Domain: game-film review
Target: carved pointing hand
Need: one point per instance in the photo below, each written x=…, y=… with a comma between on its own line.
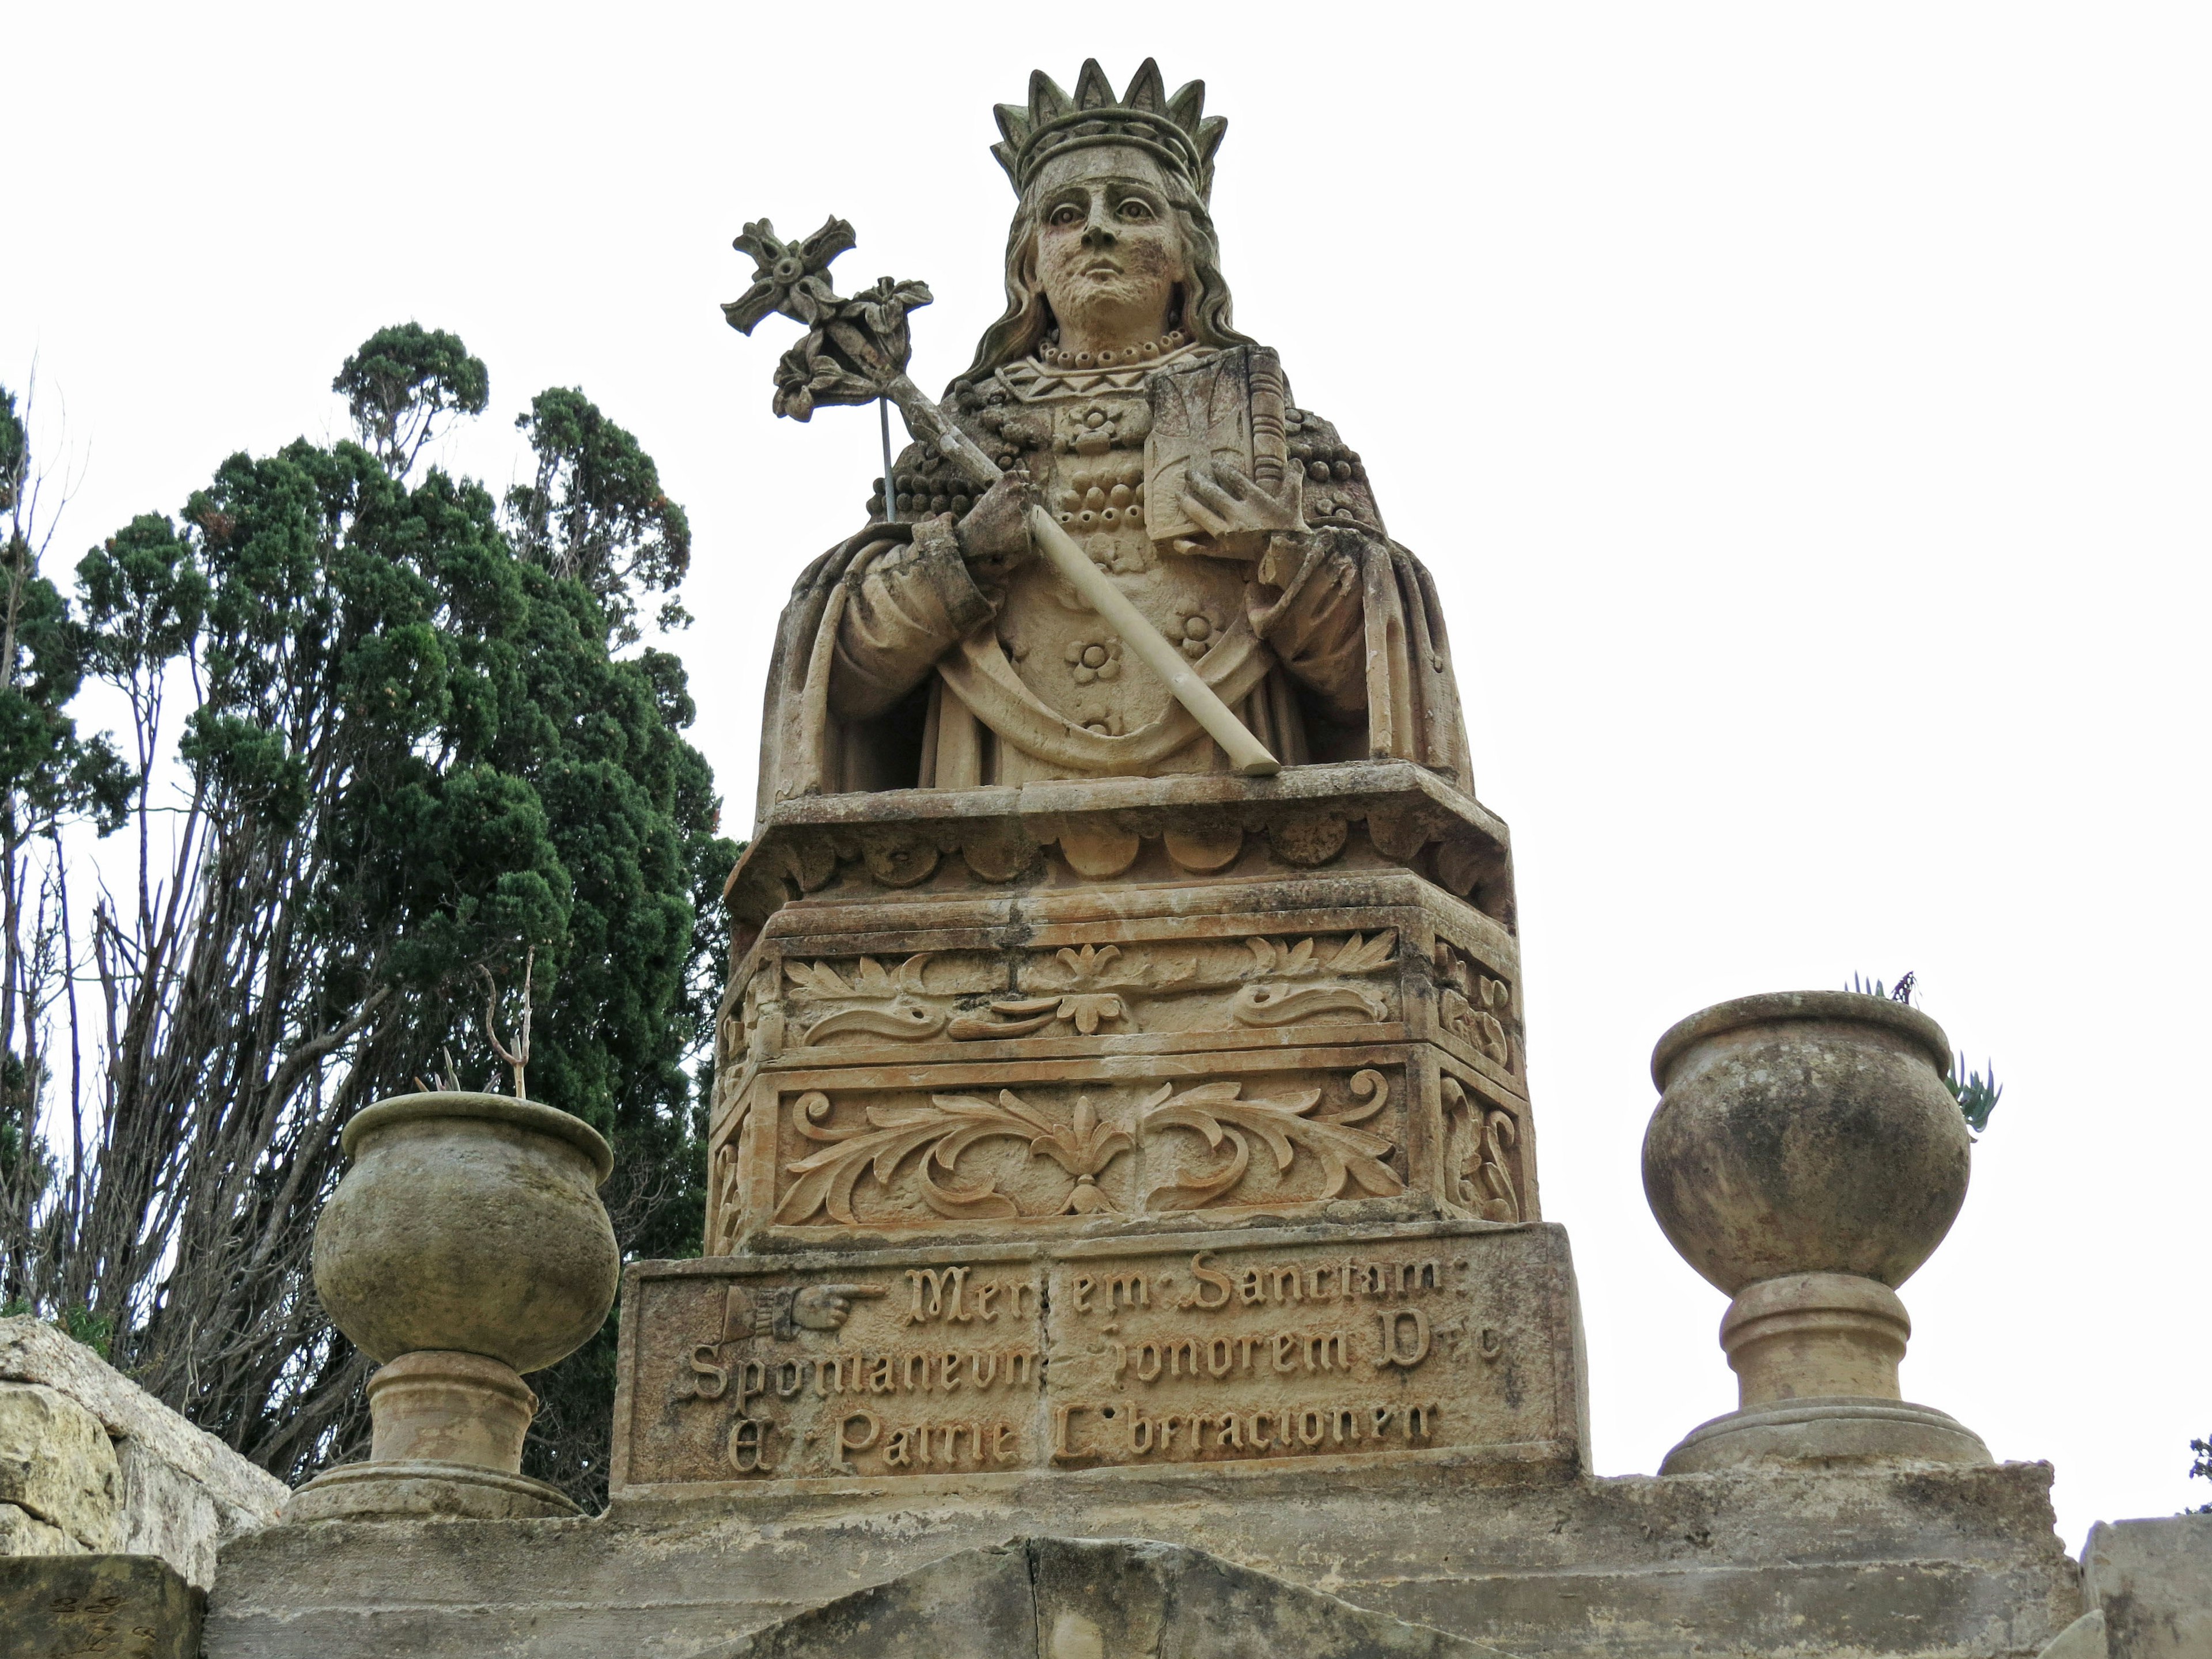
x=1240, y=516
x=826, y=1307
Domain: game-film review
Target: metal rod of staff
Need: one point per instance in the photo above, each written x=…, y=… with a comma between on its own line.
x=890, y=485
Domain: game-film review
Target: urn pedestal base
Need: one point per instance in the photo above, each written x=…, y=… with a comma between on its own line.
x=447, y=1441
x=1834, y=1429
x=1816, y=1356
x=423, y=1490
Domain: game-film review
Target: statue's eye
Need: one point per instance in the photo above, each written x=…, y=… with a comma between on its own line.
x=1067, y=214
x=1134, y=209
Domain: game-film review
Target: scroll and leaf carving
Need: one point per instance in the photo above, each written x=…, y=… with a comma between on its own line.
x=1483, y=1138
x=1267, y=1001
x=1095, y=996
x=1213, y=1111
x=1477, y=1009
x=885, y=1003
x=930, y=1141
x=728, y=1196
x=1094, y=989
x=941, y=1131
x=901, y=1022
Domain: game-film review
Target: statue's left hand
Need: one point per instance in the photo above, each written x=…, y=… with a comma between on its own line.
x=1240, y=516
x=995, y=531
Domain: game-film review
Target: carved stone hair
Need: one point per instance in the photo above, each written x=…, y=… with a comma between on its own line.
x=1179, y=136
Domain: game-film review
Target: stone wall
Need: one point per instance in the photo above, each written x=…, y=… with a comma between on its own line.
x=92, y=1464
x=2148, y=1586
x=1908, y=1563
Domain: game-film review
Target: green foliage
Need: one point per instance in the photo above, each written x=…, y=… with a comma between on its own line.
x=595, y=511
x=81, y=1325
x=1873, y=988
x=448, y=724
x=25, y=1168
x=45, y=770
x=411, y=755
x=401, y=385
x=2201, y=1469
x=1977, y=1092
x=15, y=451
x=76, y=1323
x=142, y=597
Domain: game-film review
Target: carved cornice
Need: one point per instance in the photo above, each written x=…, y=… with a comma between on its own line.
x=943, y=841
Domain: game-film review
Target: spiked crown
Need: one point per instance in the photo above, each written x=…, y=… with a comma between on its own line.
x=1177, y=130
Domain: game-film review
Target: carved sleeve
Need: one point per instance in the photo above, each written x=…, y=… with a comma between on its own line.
x=1318, y=627
x=905, y=611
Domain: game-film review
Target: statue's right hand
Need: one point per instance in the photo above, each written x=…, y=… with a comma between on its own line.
x=825, y=1307
x=995, y=531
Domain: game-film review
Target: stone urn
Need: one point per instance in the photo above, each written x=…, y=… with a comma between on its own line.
x=465, y=1246
x=1805, y=1158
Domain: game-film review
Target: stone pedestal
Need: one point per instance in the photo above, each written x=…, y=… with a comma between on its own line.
x=1891, y=1562
x=1176, y=1125
x=957, y=1016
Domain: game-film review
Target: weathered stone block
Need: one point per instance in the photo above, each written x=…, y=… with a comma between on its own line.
x=22, y=1533
x=1061, y=1598
x=246, y=1497
x=1930, y=1563
x=167, y=1513
x=2153, y=1581
x=133, y=1607
x=56, y=1463
x=1184, y=1354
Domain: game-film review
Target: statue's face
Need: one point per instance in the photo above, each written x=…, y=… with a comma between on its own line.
x=1109, y=251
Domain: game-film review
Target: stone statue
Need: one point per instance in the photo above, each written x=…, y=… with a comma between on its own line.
x=1117, y=888
x=935, y=648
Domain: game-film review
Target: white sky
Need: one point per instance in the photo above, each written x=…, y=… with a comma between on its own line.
x=1803, y=410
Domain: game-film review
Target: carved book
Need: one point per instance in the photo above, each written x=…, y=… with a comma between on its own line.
x=1224, y=408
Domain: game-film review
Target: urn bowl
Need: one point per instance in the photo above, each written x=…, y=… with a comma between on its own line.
x=469, y=1223
x=1805, y=1131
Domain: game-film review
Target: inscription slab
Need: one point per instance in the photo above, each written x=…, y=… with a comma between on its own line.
x=1187, y=1352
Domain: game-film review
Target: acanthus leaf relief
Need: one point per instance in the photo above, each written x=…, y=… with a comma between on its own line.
x=889, y=1004
x=1097, y=989
x=1477, y=1009
x=1097, y=995
x=1213, y=1111
x=930, y=1142
x=1264, y=1002
x=1482, y=1137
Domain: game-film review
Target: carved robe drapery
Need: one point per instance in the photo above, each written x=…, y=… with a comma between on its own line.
x=898, y=666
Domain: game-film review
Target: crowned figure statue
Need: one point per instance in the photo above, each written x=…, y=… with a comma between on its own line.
x=935, y=649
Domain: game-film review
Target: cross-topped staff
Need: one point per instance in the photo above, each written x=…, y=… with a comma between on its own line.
x=856, y=351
